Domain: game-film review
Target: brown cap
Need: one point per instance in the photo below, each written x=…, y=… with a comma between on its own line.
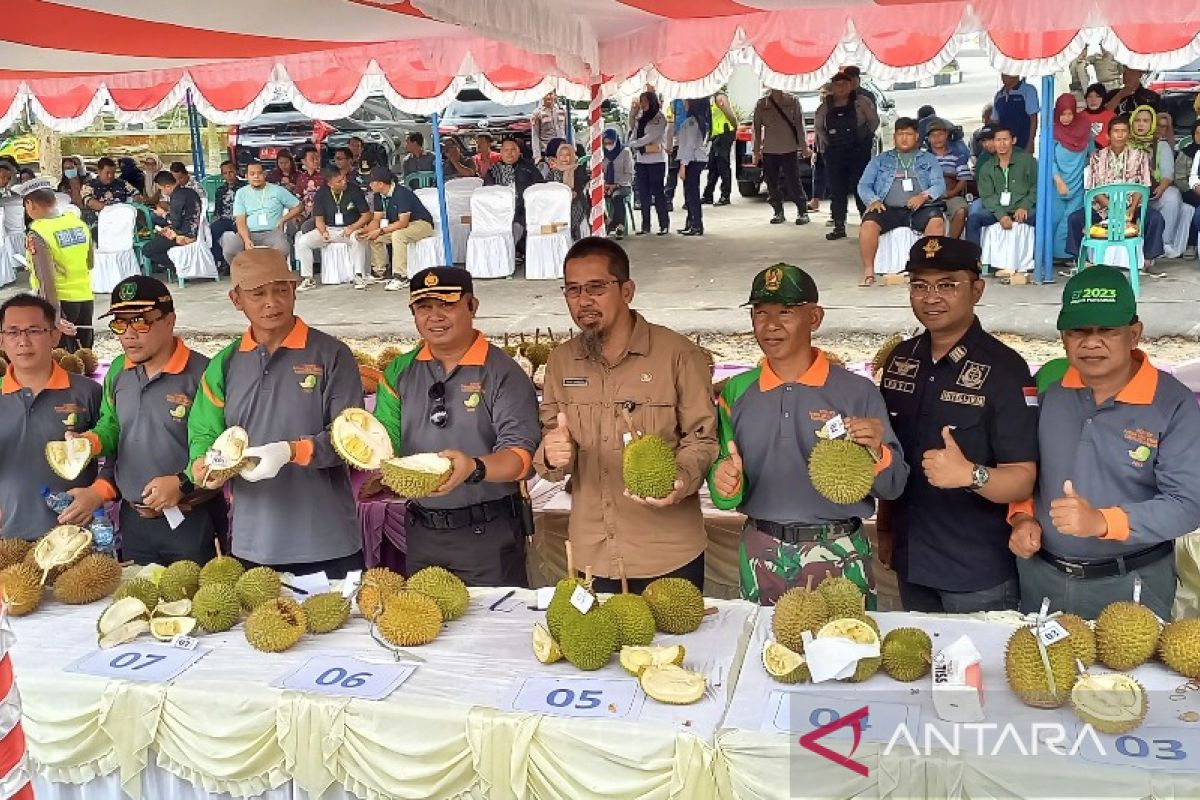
x=258, y=267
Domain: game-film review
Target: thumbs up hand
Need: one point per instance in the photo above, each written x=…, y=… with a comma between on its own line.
x=728, y=478
x=557, y=445
x=947, y=468
x=1075, y=516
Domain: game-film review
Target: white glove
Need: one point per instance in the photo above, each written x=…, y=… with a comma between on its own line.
x=271, y=458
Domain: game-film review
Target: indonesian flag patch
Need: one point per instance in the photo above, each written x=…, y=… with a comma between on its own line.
x=1031, y=395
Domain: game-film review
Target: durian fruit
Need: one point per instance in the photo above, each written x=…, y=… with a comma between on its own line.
x=907, y=654
x=364, y=359
x=588, y=640
x=509, y=348
x=326, y=612
x=387, y=356
x=175, y=608
x=142, y=589
x=1082, y=639
x=377, y=584
x=648, y=467
x=880, y=359
x=538, y=352
x=179, y=581
x=672, y=684
x=560, y=607
x=226, y=458
x=863, y=630
x=62, y=547
x=841, y=471
x=784, y=664
x=21, y=588
x=1111, y=703
x=123, y=621
x=68, y=458
x=676, y=603
x=1126, y=635
x=71, y=364
x=1179, y=647
x=216, y=607
x=360, y=439
x=57, y=354
x=276, y=625
x=415, y=476
x=444, y=587
x=90, y=362
x=842, y=597
x=257, y=586
x=13, y=551
x=167, y=628
x=635, y=659
x=1027, y=675
x=635, y=621
x=96, y=576
x=222, y=569
x=545, y=649
x=796, y=611
x=409, y=619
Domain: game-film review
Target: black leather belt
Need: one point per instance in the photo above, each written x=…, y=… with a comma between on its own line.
x=795, y=532
x=1108, y=567
x=449, y=519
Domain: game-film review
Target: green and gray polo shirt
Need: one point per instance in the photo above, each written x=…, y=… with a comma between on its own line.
x=775, y=424
x=491, y=406
x=27, y=422
x=306, y=513
x=143, y=427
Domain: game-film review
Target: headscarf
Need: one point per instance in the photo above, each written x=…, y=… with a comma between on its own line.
x=131, y=174
x=610, y=155
x=1148, y=141
x=1076, y=136
x=679, y=112
x=552, y=147
x=654, y=109
x=700, y=109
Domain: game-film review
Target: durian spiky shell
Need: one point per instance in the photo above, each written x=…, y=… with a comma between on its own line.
x=21, y=586
x=378, y=583
x=796, y=611
x=326, y=612
x=649, y=468
x=409, y=619
x=13, y=551
x=96, y=576
x=276, y=625
x=1179, y=646
x=444, y=587
x=180, y=581
x=841, y=471
x=1027, y=676
x=1126, y=635
x=216, y=607
x=677, y=605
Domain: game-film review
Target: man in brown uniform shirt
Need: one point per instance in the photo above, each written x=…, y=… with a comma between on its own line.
x=621, y=363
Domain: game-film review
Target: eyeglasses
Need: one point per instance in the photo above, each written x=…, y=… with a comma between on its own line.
x=939, y=289
x=438, y=416
x=140, y=324
x=593, y=288
x=16, y=334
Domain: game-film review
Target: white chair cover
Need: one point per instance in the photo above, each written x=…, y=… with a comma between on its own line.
x=427, y=252
x=546, y=204
x=892, y=254
x=1175, y=239
x=1010, y=249
x=458, y=205
x=491, y=250
x=62, y=200
x=8, y=267
x=14, y=226
x=196, y=260
x=115, y=259
x=337, y=262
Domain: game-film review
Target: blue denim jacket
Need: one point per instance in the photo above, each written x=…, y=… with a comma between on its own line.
x=878, y=176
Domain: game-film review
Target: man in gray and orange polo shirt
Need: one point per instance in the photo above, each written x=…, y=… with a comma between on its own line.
x=461, y=397
x=768, y=420
x=39, y=403
x=284, y=383
x=142, y=434
x=1119, y=477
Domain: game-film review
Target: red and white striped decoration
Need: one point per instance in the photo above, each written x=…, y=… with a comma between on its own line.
x=597, y=162
x=16, y=775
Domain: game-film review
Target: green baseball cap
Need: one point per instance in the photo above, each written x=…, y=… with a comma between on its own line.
x=784, y=284
x=1097, y=297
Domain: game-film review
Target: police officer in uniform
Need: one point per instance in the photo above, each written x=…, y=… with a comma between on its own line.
x=60, y=263
x=467, y=400
x=964, y=407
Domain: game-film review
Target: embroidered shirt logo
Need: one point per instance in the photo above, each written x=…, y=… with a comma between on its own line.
x=973, y=375
x=904, y=367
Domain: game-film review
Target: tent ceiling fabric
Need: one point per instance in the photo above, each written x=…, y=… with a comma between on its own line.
x=73, y=58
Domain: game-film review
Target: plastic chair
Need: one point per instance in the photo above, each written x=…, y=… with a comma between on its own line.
x=458, y=206
x=211, y=183
x=142, y=234
x=420, y=180
x=1118, y=203
x=195, y=260
x=115, y=259
x=548, y=230
x=491, y=249
x=427, y=252
x=1010, y=249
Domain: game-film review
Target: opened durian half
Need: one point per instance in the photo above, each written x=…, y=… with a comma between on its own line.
x=61, y=547
x=68, y=458
x=417, y=475
x=225, y=458
x=360, y=439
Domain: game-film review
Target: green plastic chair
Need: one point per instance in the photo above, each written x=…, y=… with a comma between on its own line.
x=211, y=183
x=143, y=232
x=420, y=180
x=1118, y=202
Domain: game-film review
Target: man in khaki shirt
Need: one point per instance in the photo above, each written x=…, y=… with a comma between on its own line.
x=618, y=363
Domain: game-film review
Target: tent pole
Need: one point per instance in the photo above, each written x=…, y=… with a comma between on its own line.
x=440, y=171
x=1044, y=229
x=570, y=127
x=193, y=117
x=598, y=226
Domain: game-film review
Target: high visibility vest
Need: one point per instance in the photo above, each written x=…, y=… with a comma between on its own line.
x=720, y=122
x=70, y=243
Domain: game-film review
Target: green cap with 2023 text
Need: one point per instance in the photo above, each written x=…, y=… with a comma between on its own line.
x=1097, y=297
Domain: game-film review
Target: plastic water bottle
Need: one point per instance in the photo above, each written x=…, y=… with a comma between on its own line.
x=104, y=537
x=57, y=501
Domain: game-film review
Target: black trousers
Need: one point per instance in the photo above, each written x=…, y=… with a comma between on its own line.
x=672, y=177
x=77, y=312
x=651, y=189
x=691, y=196
x=845, y=166
x=491, y=554
x=152, y=541
x=692, y=571
x=720, y=152
x=216, y=230
x=782, y=174
x=156, y=250
x=333, y=567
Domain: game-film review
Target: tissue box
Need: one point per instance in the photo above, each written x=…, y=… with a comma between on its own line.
x=465, y=219
x=553, y=228
x=958, y=682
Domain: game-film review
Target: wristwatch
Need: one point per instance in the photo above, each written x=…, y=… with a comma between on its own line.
x=980, y=475
x=185, y=483
x=479, y=474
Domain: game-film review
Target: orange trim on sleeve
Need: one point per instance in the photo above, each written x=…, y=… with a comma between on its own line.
x=1118, y=524
x=95, y=442
x=104, y=489
x=302, y=450
x=885, y=460
x=212, y=398
x=526, y=459
x=1020, y=507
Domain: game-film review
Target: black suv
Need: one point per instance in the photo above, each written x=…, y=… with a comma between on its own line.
x=472, y=113
x=281, y=126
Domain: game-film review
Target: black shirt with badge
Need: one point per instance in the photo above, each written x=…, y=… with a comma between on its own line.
x=954, y=539
x=351, y=203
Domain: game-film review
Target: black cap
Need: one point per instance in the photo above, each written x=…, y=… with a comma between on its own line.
x=448, y=284
x=382, y=174
x=943, y=252
x=140, y=293
x=986, y=133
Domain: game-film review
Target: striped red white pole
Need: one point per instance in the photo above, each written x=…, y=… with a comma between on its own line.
x=16, y=774
x=597, y=161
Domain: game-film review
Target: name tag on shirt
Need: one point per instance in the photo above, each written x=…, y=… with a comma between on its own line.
x=907, y=184
x=1005, y=198
x=260, y=219
x=338, y=219
x=575, y=381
